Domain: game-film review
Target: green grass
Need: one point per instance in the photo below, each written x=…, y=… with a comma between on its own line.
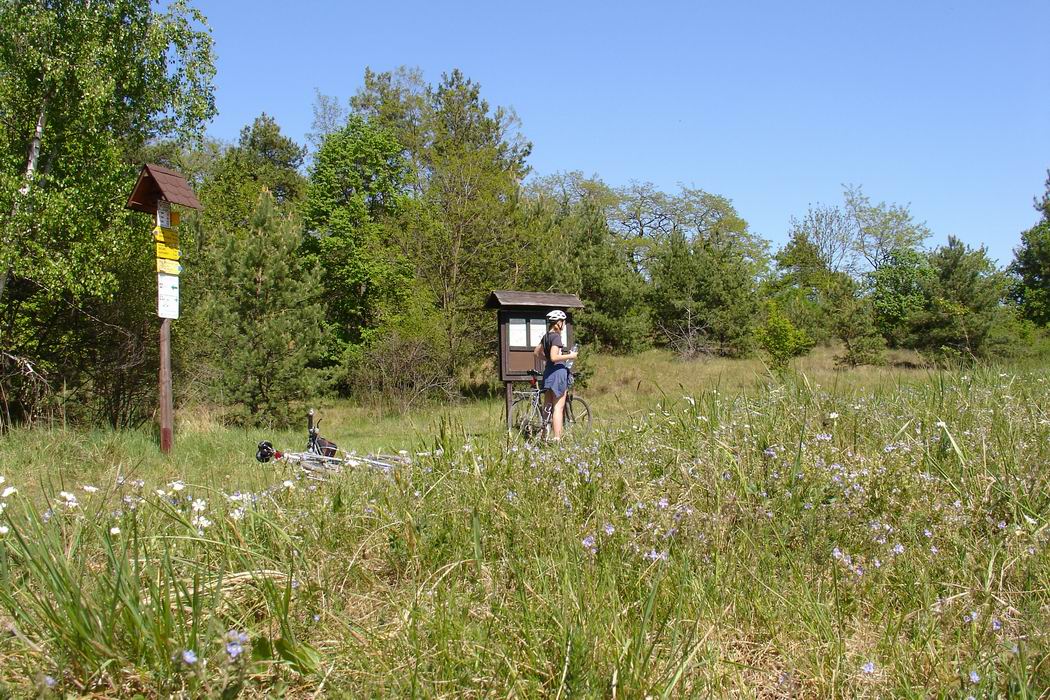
x=871, y=534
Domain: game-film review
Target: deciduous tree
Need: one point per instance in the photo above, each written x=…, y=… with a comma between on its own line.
x=1031, y=265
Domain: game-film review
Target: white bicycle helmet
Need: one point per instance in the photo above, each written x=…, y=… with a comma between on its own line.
x=556, y=315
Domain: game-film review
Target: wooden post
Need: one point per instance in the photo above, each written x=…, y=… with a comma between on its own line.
x=167, y=409
x=156, y=189
x=166, y=219
x=509, y=389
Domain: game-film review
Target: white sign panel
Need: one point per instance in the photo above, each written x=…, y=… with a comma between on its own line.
x=517, y=336
x=537, y=329
x=164, y=214
x=167, y=295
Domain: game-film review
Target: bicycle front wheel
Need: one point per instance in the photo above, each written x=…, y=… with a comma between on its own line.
x=577, y=415
x=524, y=418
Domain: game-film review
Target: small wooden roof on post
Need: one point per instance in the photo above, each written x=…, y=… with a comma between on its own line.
x=507, y=299
x=157, y=182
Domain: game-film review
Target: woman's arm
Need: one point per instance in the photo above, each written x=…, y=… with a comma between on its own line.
x=557, y=355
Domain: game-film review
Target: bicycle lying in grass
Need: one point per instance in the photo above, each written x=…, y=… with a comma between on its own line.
x=323, y=457
x=530, y=415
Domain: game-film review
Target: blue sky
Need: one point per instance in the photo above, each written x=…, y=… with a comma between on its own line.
x=943, y=105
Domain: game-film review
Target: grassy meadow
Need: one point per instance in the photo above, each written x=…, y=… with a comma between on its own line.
x=721, y=532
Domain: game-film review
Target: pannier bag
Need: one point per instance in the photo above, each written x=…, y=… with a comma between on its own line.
x=326, y=448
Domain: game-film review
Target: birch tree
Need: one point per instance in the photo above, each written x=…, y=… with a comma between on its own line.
x=82, y=84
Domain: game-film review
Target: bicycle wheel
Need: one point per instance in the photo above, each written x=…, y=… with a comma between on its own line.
x=524, y=418
x=577, y=415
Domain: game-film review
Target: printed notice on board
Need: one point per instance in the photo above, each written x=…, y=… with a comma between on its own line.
x=537, y=329
x=167, y=295
x=516, y=333
x=164, y=214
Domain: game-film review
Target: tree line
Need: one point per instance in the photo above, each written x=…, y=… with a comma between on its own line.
x=358, y=263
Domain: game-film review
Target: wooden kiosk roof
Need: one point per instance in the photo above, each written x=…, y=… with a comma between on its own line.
x=157, y=182
x=511, y=299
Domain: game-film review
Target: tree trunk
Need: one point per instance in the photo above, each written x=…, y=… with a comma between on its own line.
x=32, y=158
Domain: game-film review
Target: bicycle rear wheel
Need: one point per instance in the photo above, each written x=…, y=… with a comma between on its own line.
x=577, y=415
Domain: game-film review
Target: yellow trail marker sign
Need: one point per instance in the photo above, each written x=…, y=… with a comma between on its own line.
x=169, y=267
x=167, y=252
x=167, y=236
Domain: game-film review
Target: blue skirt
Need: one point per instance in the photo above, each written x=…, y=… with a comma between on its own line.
x=556, y=379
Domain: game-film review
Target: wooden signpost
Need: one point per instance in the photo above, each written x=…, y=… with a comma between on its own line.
x=155, y=191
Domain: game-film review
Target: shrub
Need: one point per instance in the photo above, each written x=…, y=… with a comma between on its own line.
x=780, y=340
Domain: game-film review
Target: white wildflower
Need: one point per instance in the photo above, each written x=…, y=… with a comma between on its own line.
x=9, y=491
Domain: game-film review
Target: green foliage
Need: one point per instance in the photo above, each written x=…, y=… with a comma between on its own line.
x=576, y=252
x=81, y=86
x=853, y=324
x=1031, y=265
x=780, y=339
x=701, y=262
x=964, y=295
x=265, y=320
x=703, y=295
x=881, y=229
x=802, y=288
x=457, y=232
x=263, y=160
x=898, y=292
x=356, y=184
x=830, y=246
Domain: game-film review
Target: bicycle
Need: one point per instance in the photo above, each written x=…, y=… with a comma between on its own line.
x=323, y=457
x=531, y=417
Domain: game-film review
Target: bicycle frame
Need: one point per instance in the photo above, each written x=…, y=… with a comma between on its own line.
x=539, y=415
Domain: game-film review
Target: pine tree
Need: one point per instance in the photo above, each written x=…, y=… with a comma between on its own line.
x=266, y=320
x=964, y=296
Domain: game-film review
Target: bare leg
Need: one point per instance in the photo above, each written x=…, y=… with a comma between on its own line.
x=548, y=408
x=559, y=415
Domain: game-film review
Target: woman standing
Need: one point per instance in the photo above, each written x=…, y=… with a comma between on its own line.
x=555, y=374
